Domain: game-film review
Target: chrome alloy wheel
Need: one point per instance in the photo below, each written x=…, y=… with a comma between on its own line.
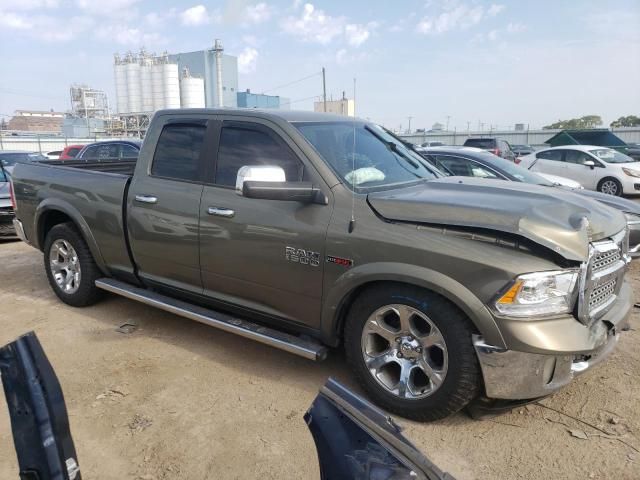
x=65, y=266
x=609, y=187
x=404, y=351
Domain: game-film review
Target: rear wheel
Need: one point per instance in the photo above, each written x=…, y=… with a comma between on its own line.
x=610, y=186
x=411, y=350
x=70, y=267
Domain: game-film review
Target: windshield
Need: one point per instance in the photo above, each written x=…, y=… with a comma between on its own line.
x=516, y=171
x=364, y=155
x=609, y=155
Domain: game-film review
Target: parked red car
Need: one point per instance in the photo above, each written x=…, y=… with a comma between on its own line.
x=70, y=152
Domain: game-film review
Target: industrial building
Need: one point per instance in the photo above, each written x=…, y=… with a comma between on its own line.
x=260, y=100
x=219, y=72
x=36, y=121
x=344, y=106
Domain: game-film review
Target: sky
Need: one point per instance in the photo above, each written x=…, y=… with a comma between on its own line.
x=464, y=63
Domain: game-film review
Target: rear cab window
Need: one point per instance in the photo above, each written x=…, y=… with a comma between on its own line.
x=484, y=143
x=177, y=154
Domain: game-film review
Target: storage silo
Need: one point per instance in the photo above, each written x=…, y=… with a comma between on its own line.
x=120, y=73
x=171, y=79
x=157, y=85
x=146, y=88
x=191, y=91
x=134, y=98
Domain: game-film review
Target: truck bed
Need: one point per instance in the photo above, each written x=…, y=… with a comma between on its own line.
x=90, y=193
x=124, y=166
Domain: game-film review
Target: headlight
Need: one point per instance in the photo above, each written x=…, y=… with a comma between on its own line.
x=540, y=293
x=631, y=172
x=632, y=218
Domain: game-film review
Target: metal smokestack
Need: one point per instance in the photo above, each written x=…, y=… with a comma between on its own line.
x=217, y=48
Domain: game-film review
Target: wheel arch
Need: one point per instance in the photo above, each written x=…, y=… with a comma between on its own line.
x=351, y=284
x=52, y=212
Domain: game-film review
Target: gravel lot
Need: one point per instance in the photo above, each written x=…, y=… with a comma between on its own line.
x=178, y=400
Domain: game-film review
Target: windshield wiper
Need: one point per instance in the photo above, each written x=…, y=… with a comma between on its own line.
x=393, y=147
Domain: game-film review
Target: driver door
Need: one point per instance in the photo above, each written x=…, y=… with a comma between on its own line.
x=576, y=169
x=266, y=256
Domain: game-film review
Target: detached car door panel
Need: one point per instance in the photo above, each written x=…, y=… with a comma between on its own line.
x=264, y=255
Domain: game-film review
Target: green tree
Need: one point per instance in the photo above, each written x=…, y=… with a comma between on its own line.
x=628, y=121
x=587, y=121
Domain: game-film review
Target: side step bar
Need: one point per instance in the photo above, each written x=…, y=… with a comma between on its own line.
x=284, y=341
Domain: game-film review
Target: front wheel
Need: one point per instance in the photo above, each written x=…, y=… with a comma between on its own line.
x=610, y=186
x=70, y=267
x=412, y=351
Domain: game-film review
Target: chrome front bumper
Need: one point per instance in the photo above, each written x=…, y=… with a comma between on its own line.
x=520, y=375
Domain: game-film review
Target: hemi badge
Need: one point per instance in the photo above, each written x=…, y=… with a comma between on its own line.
x=344, y=262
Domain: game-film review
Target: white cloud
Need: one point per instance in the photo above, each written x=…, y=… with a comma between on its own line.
x=492, y=35
x=356, y=34
x=247, y=60
x=108, y=8
x=128, y=36
x=28, y=4
x=313, y=25
x=258, y=13
x=495, y=9
x=456, y=17
x=344, y=57
x=516, y=27
x=15, y=21
x=197, y=15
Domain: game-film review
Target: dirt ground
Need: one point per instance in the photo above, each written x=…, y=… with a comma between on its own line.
x=178, y=400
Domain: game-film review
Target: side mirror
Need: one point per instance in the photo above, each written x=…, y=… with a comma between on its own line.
x=269, y=183
x=258, y=173
x=589, y=163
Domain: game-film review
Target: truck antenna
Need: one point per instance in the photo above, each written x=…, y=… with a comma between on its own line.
x=352, y=222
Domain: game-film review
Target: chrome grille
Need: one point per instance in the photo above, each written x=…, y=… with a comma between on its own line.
x=603, y=260
x=602, y=277
x=601, y=294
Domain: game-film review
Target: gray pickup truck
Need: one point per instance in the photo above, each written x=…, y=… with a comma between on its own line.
x=306, y=231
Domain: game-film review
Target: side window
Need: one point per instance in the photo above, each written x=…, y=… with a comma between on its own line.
x=3, y=176
x=128, y=151
x=464, y=167
x=577, y=157
x=555, y=155
x=253, y=145
x=177, y=152
x=90, y=153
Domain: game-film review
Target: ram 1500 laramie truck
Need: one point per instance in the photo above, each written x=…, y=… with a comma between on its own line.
x=306, y=231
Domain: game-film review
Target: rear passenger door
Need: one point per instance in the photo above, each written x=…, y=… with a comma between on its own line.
x=246, y=244
x=549, y=161
x=164, y=201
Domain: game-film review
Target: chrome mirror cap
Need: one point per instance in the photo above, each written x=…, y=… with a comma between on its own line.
x=258, y=173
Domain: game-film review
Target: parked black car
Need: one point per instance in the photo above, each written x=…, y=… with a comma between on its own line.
x=8, y=158
x=110, y=149
x=468, y=162
x=497, y=146
x=522, y=150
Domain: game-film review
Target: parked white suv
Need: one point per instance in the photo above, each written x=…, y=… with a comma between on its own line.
x=596, y=168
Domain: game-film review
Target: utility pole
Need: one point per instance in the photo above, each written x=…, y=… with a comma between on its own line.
x=448, y=118
x=354, y=97
x=409, y=129
x=468, y=126
x=324, y=91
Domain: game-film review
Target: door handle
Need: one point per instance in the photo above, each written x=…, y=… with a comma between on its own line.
x=146, y=199
x=221, y=212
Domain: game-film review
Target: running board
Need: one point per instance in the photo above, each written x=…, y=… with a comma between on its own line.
x=274, y=338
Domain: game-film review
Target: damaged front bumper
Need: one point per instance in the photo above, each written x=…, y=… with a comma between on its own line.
x=553, y=360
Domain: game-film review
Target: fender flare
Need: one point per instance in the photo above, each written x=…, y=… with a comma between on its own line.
x=55, y=204
x=458, y=294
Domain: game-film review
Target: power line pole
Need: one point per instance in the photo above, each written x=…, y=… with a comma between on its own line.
x=324, y=91
x=409, y=129
x=448, y=118
x=354, y=97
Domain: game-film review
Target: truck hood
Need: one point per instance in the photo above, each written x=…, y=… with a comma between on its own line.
x=549, y=216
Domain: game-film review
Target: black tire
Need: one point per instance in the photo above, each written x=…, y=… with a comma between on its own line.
x=607, y=182
x=462, y=382
x=87, y=293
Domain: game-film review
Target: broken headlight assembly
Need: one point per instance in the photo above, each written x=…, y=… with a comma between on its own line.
x=538, y=294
